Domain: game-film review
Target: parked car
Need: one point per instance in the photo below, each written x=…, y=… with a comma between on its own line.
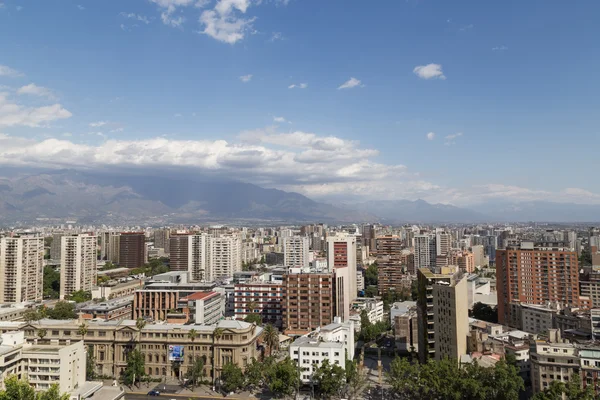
x=154, y=393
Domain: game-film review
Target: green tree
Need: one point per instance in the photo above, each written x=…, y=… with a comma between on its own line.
x=140, y=324
x=255, y=373
x=283, y=378
x=42, y=333
x=371, y=291
x=62, y=310
x=371, y=275
x=135, y=370
x=90, y=363
x=31, y=315
x=232, y=377
x=51, y=283
x=329, y=379
x=253, y=319
x=356, y=379
x=53, y=394
x=585, y=259
x=217, y=334
x=82, y=330
x=16, y=389
x=271, y=337
x=195, y=372
x=572, y=390
x=80, y=296
x=485, y=312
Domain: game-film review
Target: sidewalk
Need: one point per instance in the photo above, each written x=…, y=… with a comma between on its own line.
x=173, y=388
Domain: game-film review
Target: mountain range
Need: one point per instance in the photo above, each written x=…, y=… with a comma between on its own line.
x=158, y=198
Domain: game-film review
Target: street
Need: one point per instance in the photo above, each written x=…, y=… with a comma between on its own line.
x=133, y=396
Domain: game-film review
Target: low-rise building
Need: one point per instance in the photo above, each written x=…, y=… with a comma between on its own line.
x=552, y=360
x=403, y=318
x=114, y=310
x=117, y=289
x=372, y=306
x=204, y=308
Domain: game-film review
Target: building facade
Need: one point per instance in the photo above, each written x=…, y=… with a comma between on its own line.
x=308, y=302
x=295, y=251
x=78, y=264
x=264, y=299
x=341, y=259
x=132, y=249
x=451, y=314
x=21, y=269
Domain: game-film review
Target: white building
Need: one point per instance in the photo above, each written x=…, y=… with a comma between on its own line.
x=333, y=342
x=198, y=261
x=421, y=245
x=373, y=307
x=296, y=251
x=77, y=264
x=225, y=256
x=21, y=269
x=205, y=308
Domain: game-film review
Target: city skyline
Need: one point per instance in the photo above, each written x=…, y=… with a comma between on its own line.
x=456, y=104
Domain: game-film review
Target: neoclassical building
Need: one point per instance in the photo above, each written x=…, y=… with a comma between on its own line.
x=160, y=344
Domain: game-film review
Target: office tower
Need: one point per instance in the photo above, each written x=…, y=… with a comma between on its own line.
x=132, y=249
x=341, y=259
x=225, y=254
x=536, y=273
x=77, y=264
x=451, y=315
x=421, y=244
x=478, y=255
x=442, y=243
x=295, y=251
x=21, y=269
x=162, y=239
x=389, y=264
x=179, y=252
x=198, y=261
x=110, y=246
x=369, y=235
x=308, y=302
x=432, y=251
x=55, y=246
x=425, y=311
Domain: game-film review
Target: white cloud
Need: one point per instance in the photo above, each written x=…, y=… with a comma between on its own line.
x=246, y=78
x=137, y=17
x=223, y=22
x=430, y=136
x=298, y=86
x=169, y=8
x=80, y=7
x=280, y=120
x=500, y=48
x=351, y=83
x=178, y=115
x=98, y=124
x=466, y=27
x=12, y=114
x=9, y=72
x=34, y=90
x=450, y=139
x=116, y=130
x=429, y=71
x=276, y=36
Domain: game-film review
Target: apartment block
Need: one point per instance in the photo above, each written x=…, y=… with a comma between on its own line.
x=267, y=300
x=404, y=321
x=341, y=260
x=162, y=239
x=55, y=246
x=198, y=263
x=179, y=252
x=451, y=314
x=536, y=273
x=78, y=264
x=552, y=359
x=110, y=246
x=295, y=251
x=225, y=256
x=308, y=302
x=132, y=249
x=204, y=308
x=421, y=245
x=390, y=264
x=21, y=269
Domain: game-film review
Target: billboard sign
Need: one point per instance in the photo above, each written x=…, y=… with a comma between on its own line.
x=175, y=353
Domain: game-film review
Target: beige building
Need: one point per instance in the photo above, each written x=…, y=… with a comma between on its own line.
x=552, y=360
x=295, y=251
x=77, y=264
x=112, y=341
x=451, y=314
x=225, y=254
x=21, y=269
x=341, y=260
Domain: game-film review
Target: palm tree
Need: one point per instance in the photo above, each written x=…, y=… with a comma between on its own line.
x=251, y=305
x=217, y=334
x=140, y=323
x=82, y=330
x=192, y=335
x=271, y=337
x=41, y=333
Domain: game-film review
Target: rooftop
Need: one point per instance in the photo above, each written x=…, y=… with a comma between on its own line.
x=199, y=296
x=316, y=343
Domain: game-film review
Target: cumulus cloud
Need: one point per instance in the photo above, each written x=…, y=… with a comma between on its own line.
x=351, y=83
x=430, y=136
x=246, y=78
x=34, y=90
x=429, y=71
x=298, y=86
x=13, y=114
x=169, y=9
x=224, y=22
x=279, y=119
x=9, y=72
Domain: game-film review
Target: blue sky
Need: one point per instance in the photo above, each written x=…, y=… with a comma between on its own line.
x=513, y=83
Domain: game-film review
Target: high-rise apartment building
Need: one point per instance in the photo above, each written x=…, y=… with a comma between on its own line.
x=295, y=251
x=369, y=235
x=341, y=259
x=443, y=242
x=389, y=263
x=421, y=245
x=21, y=269
x=132, y=249
x=225, y=254
x=55, y=246
x=308, y=302
x=451, y=314
x=110, y=243
x=425, y=311
x=179, y=252
x=536, y=273
x=198, y=261
x=162, y=239
x=77, y=264
x=478, y=255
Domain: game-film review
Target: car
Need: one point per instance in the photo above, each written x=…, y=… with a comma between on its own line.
x=154, y=393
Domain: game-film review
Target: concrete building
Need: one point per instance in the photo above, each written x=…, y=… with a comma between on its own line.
x=132, y=249
x=78, y=264
x=451, y=314
x=55, y=246
x=110, y=246
x=341, y=259
x=160, y=344
x=205, y=308
x=179, y=252
x=537, y=318
x=372, y=306
x=266, y=297
x=114, y=310
x=117, y=289
x=443, y=242
x=403, y=318
x=478, y=255
x=308, y=302
x=295, y=251
x=390, y=264
x=162, y=239
x=21, y=269
x=225, y=256
x=536, y=274
x=421, y=245
x=552, y=360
